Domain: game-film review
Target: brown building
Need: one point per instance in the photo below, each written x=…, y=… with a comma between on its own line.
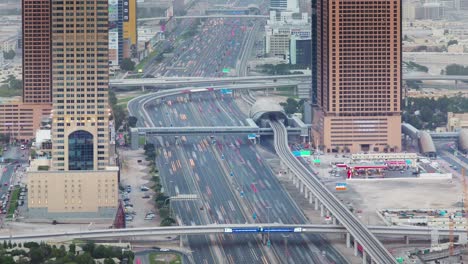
x=36, y=51
x=358, y=74
x=21, y=120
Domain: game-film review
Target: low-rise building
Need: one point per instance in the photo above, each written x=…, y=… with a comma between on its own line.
x=67, y=195
x=457, y=121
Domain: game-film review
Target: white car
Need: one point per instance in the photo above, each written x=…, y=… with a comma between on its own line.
x=164, y=249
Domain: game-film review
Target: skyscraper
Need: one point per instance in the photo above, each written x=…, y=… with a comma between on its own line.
x=36, y=51
x=20, y=120
x=81, y=181
x=357, y=61
x=80, y=71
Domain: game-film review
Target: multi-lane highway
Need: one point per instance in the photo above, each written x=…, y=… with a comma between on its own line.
x=199, y=161
x=371, y=244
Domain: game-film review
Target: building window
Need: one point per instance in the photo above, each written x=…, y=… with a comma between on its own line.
x=80, y=151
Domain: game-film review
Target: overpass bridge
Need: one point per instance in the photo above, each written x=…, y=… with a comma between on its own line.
x=198, y=80
x=203, y=16
x=211, y=81
x=235, y=229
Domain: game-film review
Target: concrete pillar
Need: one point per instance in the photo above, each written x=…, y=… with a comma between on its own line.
x=310, y=198
x=316, y=203
x=134, y=138
x=328, y=213
x=142, y=88
x=322, y=213
x=348, y=240
x=298, y=181
x=456, y=84
x=301, y=187
x=364, y=257
x=462, y=238
x=407, y=240
x=334, y=220
x=294, y=179
x=355, y=248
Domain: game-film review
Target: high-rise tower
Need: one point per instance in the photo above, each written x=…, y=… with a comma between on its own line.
x=36, y=51
x=80, y=135
x=357, y=67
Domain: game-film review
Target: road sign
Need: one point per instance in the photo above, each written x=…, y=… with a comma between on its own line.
x=296, y=153
x=226, y=70
x=227, y=230
x=251, y=136
x=400, y=259
x=226, y=91
x=305, y=153
x=316, y=160
x=341, y=186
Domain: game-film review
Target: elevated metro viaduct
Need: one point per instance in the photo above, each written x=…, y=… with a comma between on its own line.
x=426, y=139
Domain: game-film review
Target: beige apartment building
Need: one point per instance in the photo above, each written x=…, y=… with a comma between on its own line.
x=72, y=194
x=358, y=65
x=80, y=83
x=457, y=121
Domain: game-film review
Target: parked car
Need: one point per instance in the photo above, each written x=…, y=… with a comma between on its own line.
x=146, y=196
x=144, y=188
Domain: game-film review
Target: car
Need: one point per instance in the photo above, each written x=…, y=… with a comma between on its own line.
x=149, y=217
x=146, y=196
x=5, y=184
x=164, y=250
x=23, y=147
x=144, y=188
x=128, y=218
x=126, y=199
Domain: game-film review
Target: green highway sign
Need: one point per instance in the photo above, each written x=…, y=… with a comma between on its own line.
x=226, y=70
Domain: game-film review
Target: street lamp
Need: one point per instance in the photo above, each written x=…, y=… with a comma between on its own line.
x=268, y=219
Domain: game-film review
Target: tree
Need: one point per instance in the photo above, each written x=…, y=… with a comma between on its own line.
x=9, y=55
x=132, y=121
x=109, y=261
x=112, y=98
x=72, y=249
x=456, y=69
x=84, y=259
x=167, y=221
x=127, y=65
x=291, y=106
x=452, y=42
x=36, y=256
x=119, y=115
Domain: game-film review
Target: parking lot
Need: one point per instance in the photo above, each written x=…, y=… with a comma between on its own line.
x=139, y=201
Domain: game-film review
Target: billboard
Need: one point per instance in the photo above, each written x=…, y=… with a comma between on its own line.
x=113, y=47
x=113, y=12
